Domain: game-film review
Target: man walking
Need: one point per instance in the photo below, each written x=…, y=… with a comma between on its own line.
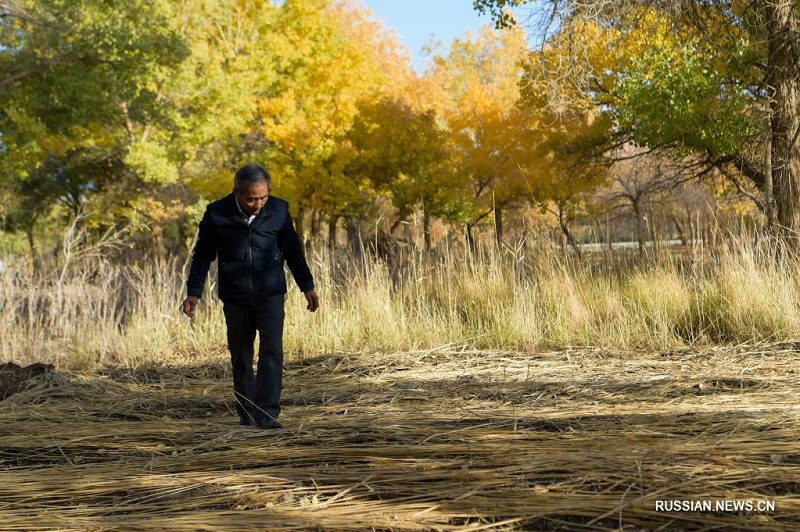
x=251, y=234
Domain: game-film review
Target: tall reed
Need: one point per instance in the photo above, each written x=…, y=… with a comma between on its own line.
x=101, y=312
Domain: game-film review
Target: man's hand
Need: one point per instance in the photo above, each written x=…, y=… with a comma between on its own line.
x=189, y=306
x=313, y=300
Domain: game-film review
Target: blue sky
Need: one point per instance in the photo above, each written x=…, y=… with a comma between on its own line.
x=416, y=21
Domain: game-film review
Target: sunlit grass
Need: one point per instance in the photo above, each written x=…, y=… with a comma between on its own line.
x=96, y=313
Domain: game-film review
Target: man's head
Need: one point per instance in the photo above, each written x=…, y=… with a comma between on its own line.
x=251, y=186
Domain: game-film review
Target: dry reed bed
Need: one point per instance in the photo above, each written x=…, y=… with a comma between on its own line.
x=577, y=439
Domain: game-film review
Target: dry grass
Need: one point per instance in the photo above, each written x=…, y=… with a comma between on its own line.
x=98, y=313
x=444, y=439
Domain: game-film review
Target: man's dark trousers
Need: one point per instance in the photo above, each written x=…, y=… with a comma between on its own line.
x=256, y=395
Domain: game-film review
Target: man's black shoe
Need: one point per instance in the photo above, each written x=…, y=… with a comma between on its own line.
x=268, y=423
x=245, y=421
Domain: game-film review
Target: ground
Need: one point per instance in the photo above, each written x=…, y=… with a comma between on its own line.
x=576, y=439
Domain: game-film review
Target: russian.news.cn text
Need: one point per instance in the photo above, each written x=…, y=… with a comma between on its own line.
x=723, y=505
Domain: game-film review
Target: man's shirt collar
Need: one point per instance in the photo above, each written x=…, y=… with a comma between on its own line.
x=249, y=218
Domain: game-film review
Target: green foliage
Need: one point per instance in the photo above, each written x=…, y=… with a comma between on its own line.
x=675, y=97
x=72, y=64
x=81, y=84
x=694, y=77
x=216, y=89
x=499, y=10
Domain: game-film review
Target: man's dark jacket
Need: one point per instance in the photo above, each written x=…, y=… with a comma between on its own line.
x=251, y=256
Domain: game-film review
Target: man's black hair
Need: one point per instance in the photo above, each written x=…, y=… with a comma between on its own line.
x=249, y=175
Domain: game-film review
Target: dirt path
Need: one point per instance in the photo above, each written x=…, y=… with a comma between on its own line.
x=436, y=440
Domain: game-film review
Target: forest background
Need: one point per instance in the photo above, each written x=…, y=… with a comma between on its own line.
x=463, y=204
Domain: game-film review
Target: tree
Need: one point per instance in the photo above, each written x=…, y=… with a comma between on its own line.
x=217, y=89
x=782, y=80
x=731, y=60
x=639, y=182
x=402, y=154
x=559, y=174
x=333, y=56
x=80, y=105
x=141, y=110
x=479, y=82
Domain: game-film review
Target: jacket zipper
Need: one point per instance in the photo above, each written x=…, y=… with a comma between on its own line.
x=250, y=262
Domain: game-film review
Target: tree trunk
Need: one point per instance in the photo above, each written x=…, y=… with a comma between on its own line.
x=426, y=227
x=354, y=236
x=498, y=225
x=300, y=225
x=333, y=221
x=655, y=234
x=641, y=228
x=562, y=221
x=316, y=224
x=681, y=228
x=782, y=78
x=470, y=237
x=769, y=194
x=36, y=259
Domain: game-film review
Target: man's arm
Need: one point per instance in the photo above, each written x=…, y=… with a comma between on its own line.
x=313, y=300
x=205, y=251
x=292, y=251
x=190, y=305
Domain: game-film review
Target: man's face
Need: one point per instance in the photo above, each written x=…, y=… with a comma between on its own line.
x=253, y=198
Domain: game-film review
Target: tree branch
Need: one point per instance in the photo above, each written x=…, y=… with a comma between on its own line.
x=733, y=179
x=41, y=67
